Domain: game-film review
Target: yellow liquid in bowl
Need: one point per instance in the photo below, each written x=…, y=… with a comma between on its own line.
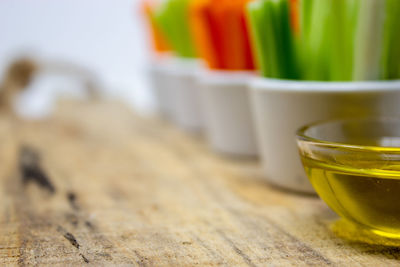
x=368, y=197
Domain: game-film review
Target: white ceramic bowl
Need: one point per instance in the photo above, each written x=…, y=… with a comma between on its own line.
x=226, y=108
x=184, y=93
x=281, y=107
x=160, y=85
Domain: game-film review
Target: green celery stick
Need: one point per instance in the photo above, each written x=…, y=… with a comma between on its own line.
x=285, y=47
x=368, y=40
x=172, y=18
x=269, y=24
x=255, y=16
x=305, y=17
x=305, y=12
x=350, y=30
x=272, y=37
x=391, y=50
x=343, y=24
x=339, y=60
x=315, y=66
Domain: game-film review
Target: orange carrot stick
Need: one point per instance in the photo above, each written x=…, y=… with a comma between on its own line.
x=159, y=42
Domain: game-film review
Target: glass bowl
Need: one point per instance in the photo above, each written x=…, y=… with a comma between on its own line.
x=354, y=165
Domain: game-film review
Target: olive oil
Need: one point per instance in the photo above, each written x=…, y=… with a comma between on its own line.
x=367, y=196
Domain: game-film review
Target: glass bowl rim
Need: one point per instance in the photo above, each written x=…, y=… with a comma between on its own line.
x=302, y=136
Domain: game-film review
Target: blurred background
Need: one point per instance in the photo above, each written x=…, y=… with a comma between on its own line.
x=99, y=40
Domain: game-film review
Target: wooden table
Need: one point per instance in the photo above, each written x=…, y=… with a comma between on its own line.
x=99, y=185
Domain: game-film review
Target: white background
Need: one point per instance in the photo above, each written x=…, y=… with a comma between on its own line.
x=107, y=36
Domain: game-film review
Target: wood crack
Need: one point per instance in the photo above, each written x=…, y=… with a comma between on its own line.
x=31, y=170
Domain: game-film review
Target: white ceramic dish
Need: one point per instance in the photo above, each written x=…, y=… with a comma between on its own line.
x=161, y=86
x=281, y=107
x=226, y=108
x=184, y=93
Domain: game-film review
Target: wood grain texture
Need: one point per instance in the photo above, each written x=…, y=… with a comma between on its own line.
x=137, y=191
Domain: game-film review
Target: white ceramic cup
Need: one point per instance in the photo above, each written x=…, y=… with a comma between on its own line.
x=226, y=108
x=161, y=86
x=281, y=107
x=183, y=88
